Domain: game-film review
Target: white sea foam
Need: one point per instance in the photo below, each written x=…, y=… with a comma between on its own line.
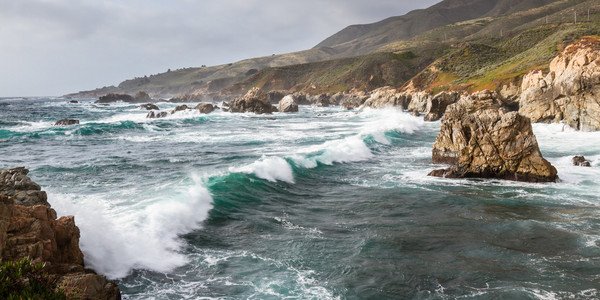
x=268, y=168
x=115, y=243
x=389, y=119
x=350, y=149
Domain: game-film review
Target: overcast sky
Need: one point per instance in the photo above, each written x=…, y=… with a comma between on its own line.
x=54, y=47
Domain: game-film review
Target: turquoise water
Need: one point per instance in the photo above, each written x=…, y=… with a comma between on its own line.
x=322, y=204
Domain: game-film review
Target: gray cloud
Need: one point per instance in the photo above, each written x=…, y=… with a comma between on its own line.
x=52, y=47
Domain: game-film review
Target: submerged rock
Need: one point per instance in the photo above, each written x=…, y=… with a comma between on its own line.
x=480, y=138
x=580, y=161
x=74, y=101
x=66, y=122
x=34, y=232
x=255, y=101
x=157, y=115
x=149, y=106
x=287, y=104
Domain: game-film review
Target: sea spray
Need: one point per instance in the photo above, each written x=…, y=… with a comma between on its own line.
x=114, y=243
x=268, y=168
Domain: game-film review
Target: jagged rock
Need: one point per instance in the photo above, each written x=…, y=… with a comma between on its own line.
x=35, y=232
x=187, y=98
x=205, y=108
x=179, y=108
x=157, y=115
x=383, y=97
x=276, y=96
x=483, y=139
x=568, y=93
x=580, y=161
x=321, y=100
x=112, y=97
x=287, y=104
x=66, y=122
x=16, y=183
x=418, y=101
x=301, y=98
x=436, y=106
x=149, y=106
x=142, y=97
x=255, y=101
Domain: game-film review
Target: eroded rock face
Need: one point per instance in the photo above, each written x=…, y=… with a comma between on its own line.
x=66, y=122
x=287, y=104
x=142, y=97
x=418, y=101
x=480, y=138
x=321, y=100
x=36, y=233
x=16, y=184
x=383, y=97
x=352, y=101
x=255, y=101
x=436, y=105
x=570, y=92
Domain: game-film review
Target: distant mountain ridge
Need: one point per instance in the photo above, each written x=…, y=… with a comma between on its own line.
x=362, y=39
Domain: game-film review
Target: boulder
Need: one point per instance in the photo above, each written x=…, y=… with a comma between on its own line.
x=276, y=96
x=418, y=101
x=255, y=101
x=66, y=122
x=568, y=93
x=205, y=108
x=112, y=97
x=157, y=115
x=34, y=232
x=580, y=161
x=16, y=184
x=436, y=105
x=287, y=104
x=74, y=101
x=321, y=100
x=142, y=97
x=179, y=108
x=149, y=106
x=480, y=138
x=383, y=97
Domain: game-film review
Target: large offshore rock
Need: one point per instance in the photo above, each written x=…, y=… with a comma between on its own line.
x=205, y=108
x=255, y=101
x=287, y=104
x=480, y=138
x=570, y=92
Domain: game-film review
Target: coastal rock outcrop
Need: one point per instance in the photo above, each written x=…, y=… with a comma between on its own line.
x=255, y=101
x=287, y=104
x=149, y=106
x=157, y=115
x=384, y=97
x=321, y=100
x=205, y=108
x=112, y=97
x=436, y=105
x=66, y=122
x=580, y=161
x=179, y=108
x=35, y=232
x=352, y=101
x=480, y=138
x=16, y=184
x=569, y=92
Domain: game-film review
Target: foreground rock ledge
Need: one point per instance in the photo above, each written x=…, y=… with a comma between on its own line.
x=35, y=232
x=480, y=138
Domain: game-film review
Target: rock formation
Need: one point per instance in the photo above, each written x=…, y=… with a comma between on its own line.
x=179, y=108
x=352, y=101
x=66, y=122
x=276, y=96
x=16, y=184
x=157, y=115
x=108, y=98
x=287, y=104
x=436, y=105
x=255, y=101
x=321, y=100
x=383, y=97
x=580, y=161
x=34, y=232
x=480, y=138
x=570, y=92
x=149, y=106
x=205, y=108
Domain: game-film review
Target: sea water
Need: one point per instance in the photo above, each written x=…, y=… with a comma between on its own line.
x=320, y=204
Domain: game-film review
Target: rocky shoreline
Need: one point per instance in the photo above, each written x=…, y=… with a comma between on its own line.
x=29, y=228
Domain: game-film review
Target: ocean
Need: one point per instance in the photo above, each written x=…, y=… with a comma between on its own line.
x=320, y=204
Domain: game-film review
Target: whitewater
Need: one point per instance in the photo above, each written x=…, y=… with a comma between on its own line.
x=321, y=204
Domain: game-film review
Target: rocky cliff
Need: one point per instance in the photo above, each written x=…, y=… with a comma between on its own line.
x=481, y=138
x=570, y=91
x=30, y=228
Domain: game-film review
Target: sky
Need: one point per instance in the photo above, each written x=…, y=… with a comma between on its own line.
x=55, y=47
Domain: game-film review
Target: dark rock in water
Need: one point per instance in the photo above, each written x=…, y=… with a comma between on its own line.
x=255, y=101
x=142, y=97
x=186, y=98
x=321, y=100
x=149, y=106
x=301, y=98
x=416, y=113
x=115, y=97
x=66, y=122
x=15, y=183
x=179, y=108
x=580, y=161
x=483, y=139
x=287, y=104
x=157, y=115
x=73, y=101
x=205, y=108
x=351, y=101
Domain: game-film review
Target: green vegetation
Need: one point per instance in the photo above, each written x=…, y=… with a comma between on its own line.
x=24, y=280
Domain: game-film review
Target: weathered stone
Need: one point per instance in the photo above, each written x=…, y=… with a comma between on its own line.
x=287, y=104
x=16, y=183
x=115, y=97
x=568, y=93
x=142, y=97
x=580, y=161
x=352, y=101
x=74, y=101
x=276, y=96
x=149, y=106
x=205, y=108
x=157, y=115
x=383, y=97
x=255, y=101
x=321, y=100
x=418, y=101
x=179, y=108
x=436, y=106
x=66, y=122
x=483, y=139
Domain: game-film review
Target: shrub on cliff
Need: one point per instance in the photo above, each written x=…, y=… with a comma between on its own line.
x=25, y=280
